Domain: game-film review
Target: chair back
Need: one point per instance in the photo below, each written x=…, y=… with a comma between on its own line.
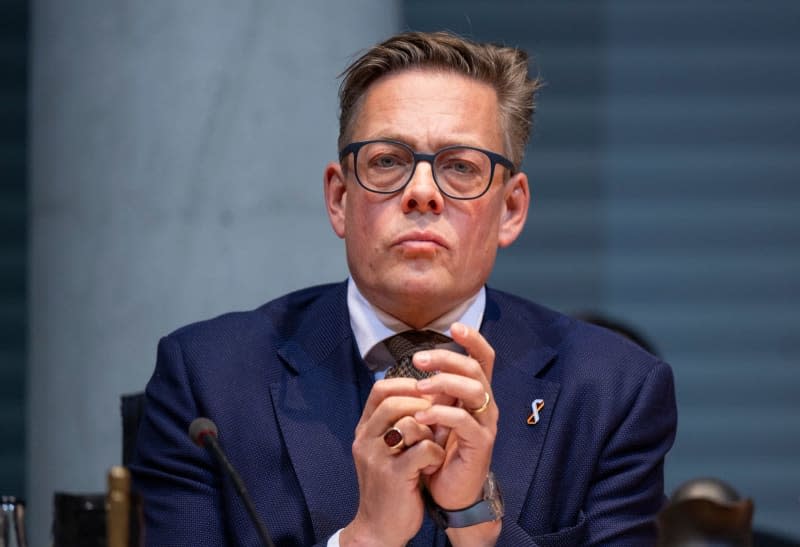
x=132, y=408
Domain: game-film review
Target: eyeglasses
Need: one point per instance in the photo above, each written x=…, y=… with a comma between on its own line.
x=460, y=172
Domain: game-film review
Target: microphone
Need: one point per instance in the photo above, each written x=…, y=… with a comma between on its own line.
x=204, y=434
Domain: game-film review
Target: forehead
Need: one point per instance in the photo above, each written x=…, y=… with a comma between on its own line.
x=429, y=108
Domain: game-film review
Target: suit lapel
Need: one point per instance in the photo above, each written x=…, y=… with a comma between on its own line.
x=318, y=409
x=521, y=355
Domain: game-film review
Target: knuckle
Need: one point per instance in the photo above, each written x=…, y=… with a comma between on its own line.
x=357, y=448
x=360, y=432
x=475, y=367
x=428, y=447
x=464, y=418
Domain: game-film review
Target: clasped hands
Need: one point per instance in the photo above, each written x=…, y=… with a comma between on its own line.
x=448, y=432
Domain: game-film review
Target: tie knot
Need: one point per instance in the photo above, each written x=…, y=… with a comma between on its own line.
x=404, y=345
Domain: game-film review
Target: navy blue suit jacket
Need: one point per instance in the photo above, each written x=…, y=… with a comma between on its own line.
x=286, y=385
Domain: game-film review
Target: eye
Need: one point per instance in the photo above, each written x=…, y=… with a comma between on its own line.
x=385, y=161
x=380, y=157
x=462, y=167
x=459, y=166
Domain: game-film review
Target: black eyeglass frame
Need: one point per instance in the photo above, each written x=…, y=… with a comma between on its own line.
x=494, y=159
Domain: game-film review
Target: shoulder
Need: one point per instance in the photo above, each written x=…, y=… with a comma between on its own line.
x=587, y=358
x=254, y=329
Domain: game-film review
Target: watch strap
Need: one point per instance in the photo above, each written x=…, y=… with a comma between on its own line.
x=474, y=514
x=485, y=510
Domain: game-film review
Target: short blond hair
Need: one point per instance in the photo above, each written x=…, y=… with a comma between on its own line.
x=504, y=68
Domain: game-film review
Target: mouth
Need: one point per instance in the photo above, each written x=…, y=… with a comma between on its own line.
x=420, y=240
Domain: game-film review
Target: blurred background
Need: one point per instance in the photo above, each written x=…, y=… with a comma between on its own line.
x=162, y=163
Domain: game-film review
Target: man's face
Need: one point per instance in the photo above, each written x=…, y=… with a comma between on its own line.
x=416, y=253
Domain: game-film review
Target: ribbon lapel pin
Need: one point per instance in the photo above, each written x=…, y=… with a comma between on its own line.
x=536, y=406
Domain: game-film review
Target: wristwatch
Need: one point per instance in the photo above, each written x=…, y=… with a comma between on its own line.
x=489, y=508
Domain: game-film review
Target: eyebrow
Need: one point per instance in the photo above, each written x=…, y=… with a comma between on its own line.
x=406, y=141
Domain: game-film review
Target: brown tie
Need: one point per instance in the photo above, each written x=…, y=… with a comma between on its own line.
x=404, y=345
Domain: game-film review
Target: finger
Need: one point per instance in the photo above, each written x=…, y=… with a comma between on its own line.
x=442, y=360
x=463, y=424
x=476, y=345
x=472, y=393
x=390, y=411
x=440, y=434
x=387, y=388
x=425, y=457
x=413, y=431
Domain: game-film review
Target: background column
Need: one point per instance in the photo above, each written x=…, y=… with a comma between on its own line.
x=177, y=152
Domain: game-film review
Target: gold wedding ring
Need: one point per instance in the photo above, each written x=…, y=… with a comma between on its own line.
x=481, y=408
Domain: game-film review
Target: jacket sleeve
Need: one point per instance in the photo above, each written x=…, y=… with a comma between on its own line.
x=628, y=487
x=186, y=500
x=177, y=480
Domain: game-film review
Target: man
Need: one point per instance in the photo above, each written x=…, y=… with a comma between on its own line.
x=569, y=421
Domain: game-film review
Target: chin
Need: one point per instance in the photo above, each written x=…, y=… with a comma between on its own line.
x=429, y=291
x=410, y=285
x=422, y=276
x=416, y=283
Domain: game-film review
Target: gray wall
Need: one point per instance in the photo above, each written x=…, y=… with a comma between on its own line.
x=176, y=163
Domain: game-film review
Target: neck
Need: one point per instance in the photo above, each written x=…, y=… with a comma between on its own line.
x=415, y=317
x=420, y=314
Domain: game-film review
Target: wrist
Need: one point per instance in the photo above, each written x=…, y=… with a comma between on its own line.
x=485, y=534
x=455, y=506
x=356, y=534
x=489, y=508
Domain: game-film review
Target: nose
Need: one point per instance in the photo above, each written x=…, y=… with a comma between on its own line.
x=421, y=193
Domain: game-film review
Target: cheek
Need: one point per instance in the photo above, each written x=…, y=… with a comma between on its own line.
x=477, y=231
x=363, y=233
x=356, y=219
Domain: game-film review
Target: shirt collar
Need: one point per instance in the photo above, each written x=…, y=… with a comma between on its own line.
x=371, y=325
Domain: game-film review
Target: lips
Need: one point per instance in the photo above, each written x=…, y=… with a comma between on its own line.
x=421, y=238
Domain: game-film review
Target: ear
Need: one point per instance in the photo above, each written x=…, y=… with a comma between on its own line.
x=516, y=199
x=335, y=185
